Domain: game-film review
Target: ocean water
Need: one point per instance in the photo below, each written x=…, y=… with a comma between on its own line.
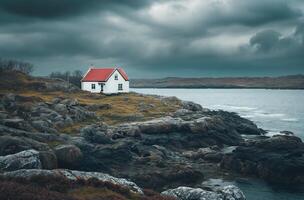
x=272, y=110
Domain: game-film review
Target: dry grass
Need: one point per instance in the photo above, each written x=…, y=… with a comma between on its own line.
x=123, y=107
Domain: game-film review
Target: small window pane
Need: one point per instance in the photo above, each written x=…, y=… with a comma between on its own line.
x=93, y=86
x=119, y=86
x=116, y=77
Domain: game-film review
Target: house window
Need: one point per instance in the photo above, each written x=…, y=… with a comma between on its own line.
x=119, y=86
x=93, y=86
x=116, y=77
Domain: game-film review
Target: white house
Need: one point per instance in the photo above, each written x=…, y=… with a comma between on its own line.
x=105, y=80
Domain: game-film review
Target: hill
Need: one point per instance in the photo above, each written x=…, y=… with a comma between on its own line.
x=282, y=82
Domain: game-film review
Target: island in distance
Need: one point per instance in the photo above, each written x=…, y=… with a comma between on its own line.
x=281, y=82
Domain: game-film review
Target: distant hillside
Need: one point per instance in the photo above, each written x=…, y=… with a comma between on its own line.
x=282, y=82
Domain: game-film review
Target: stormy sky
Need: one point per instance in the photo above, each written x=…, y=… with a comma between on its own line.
x=156, y=38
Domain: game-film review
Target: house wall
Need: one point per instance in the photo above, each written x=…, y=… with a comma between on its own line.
x=87, y=86
x=111, y=86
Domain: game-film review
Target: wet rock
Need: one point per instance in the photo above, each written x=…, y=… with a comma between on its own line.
x=187, y=193
x=72, y=175
x=68, y=155
x=28, y=159
x=279, y=159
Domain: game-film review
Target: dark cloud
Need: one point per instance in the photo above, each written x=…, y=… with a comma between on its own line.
x=186, y=38
x=265, y=40
x=48, y=9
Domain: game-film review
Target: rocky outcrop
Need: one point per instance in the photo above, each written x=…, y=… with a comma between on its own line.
x=29, y=113
x=96, y=134
x=279, y=159
x=68, y=156
x=12, y=145
x=71, y=175
x=23, y=160
x=187, y=193
x=208, y=153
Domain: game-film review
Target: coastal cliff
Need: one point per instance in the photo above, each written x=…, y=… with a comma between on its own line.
x=73, y=145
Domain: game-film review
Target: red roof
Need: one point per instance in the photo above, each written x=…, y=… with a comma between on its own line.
x=102, y=74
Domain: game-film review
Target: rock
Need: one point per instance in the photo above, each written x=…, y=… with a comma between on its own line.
x=173, y=175
x=39, y=137
x=9, y=101
x=182, y=112
x=43, y=126
x=3, y=115
x=279, y=159
x=72, y=175
x=189, y=105
x=232, y=192
x=17, y=123
x=61, y=108
x=95, y=134
x=48, y=159
x=286, y=132
x=187, y=193
x=12, y=145
x=28, y=159
x=68, y=155
x=208, y=153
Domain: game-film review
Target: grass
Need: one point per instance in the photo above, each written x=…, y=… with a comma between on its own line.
x=122, y=108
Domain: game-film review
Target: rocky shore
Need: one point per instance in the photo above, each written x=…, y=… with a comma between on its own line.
x=172, y=154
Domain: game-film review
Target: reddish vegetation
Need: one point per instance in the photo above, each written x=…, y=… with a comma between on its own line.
x=38, y=188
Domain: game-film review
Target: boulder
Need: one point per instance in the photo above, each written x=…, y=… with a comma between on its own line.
x=187, y=193
x=28, y=159
x=68, y=155
x=72, y=175
x=48, y=159
x=279, y=159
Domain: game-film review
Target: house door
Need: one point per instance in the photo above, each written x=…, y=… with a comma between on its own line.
x=101, y=86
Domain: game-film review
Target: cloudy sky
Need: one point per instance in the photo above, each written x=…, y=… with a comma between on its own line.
x=156, y=38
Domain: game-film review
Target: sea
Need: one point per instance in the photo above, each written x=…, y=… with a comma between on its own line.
x=271, y=110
